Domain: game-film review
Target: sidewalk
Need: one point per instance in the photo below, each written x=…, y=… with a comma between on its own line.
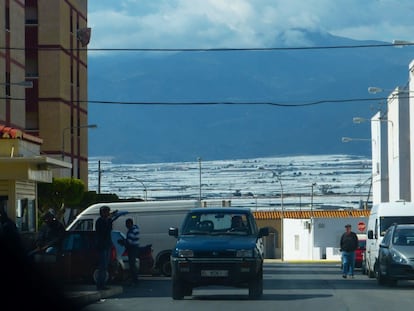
x=82, y=295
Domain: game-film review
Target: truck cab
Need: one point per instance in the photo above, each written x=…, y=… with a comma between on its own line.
x=218, y=246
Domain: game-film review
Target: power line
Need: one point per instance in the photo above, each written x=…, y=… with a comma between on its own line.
x=323, y=47
x=216, y=103
x=261, y=103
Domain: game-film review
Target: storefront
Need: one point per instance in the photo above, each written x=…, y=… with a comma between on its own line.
x=22, y=167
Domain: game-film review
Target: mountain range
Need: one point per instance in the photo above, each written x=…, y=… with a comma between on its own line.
x=176, y=106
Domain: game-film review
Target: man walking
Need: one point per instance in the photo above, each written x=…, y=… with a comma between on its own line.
x=348, y=246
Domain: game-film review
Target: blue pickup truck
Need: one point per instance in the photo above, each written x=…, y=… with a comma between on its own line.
x=218, y=246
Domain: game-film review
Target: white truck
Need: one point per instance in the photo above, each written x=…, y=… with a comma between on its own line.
x=381, y=217
x=154, y=219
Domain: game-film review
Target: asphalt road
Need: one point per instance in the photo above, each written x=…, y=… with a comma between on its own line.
x=287, y=286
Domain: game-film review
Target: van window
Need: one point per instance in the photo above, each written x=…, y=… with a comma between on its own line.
x=387, y=221
x=83, y=225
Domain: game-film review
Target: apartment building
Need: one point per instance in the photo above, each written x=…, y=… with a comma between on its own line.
x=43, y=99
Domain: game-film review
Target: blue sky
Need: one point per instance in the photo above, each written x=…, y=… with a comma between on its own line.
x=242, y=23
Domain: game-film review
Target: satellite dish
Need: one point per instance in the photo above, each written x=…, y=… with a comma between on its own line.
x=84, y=35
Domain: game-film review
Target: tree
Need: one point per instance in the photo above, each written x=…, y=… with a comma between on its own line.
x=61, y=193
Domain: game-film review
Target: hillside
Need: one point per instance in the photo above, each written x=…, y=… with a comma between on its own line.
x=132, y=133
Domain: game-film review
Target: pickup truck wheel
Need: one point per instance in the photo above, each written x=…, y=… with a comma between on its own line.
x=165, y=266
x=177, y=289
x=256, y=287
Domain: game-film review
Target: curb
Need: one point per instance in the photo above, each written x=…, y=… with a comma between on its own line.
x=327, y=261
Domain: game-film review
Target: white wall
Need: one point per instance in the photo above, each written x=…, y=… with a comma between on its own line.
x=328, y=231
x=302, y=242
x=411, y=126
x=296, y=240
x=398, y=146
x=379, y=159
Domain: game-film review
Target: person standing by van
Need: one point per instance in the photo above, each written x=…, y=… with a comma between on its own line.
x=103, y=227
x=348, y=246
x=132, y=246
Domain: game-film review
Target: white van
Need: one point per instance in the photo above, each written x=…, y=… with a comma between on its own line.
x=154, y=218
x=381, y=217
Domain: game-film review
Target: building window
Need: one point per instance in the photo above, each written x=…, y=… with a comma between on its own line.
x=31, y=15
x=25, y=215
x=71, y=22
x=297, y=242
x=8, y=85
x=7, y=18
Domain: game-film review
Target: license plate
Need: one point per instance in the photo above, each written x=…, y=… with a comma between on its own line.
x=214, y=273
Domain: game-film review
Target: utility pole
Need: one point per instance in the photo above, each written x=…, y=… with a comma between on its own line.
x=199, y=169
x=99, y=177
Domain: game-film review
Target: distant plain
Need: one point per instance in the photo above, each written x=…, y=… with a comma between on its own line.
x=326, y=181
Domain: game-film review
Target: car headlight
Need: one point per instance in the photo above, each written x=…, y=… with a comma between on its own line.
x=185, y=253
x=398, y=257
x=244, y=253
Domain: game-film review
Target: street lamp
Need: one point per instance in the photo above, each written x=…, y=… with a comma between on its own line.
x=313, y=185
x=348, y=139
x=359, y=120
x=311, y=220
x=397, y=90
x=375, y=90
x=71, y=128
x=142, y=183
x=281, y=205
x=277, y=175
x=402, y=43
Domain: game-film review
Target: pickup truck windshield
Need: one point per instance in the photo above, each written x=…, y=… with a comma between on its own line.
x=217, y=223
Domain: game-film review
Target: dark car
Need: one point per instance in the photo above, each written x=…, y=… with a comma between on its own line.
x=211, y=250
x=396, y=255
x=77, y=260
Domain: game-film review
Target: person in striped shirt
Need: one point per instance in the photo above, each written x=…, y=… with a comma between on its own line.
x=132, y=246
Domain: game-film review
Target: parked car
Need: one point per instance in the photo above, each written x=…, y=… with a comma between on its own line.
x=396, y=255
x=359, y=253
x=210, y=251
x=381, y=217
x=77, y=260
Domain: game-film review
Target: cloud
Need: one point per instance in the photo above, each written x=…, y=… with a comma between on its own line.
x=241, y=23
